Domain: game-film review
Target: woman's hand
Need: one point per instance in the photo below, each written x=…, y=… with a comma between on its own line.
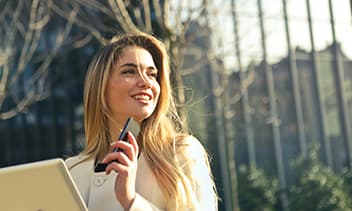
x=126, y=167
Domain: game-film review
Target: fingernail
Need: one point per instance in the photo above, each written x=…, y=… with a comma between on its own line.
x=112, y=143
x=104, y=160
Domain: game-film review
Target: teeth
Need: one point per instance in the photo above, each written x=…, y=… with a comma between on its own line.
x=141, y=97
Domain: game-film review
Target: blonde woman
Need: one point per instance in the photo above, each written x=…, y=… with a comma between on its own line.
x=163, y=168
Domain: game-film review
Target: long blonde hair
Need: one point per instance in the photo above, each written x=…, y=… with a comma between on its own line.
x=162, y=134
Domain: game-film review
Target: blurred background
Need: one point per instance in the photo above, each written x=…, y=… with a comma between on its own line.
x=266, y=85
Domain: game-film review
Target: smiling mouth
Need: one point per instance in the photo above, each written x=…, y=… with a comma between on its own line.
x=142, y=97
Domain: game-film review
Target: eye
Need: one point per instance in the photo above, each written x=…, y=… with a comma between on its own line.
x=128, y=71
x=153, y=73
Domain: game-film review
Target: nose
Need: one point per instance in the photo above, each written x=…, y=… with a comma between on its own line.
x=143, y=81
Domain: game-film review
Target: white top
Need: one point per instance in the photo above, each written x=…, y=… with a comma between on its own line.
x=97, y=189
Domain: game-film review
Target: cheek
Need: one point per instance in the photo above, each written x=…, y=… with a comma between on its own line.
x=157, y=91
x=111, y=96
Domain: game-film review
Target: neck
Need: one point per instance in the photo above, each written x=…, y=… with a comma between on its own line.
x=115, y=129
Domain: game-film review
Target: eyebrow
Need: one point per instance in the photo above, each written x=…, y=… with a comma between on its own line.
x=136, y=66
x=128, y=65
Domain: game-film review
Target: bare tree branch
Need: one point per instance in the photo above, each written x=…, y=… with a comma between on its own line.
x=31, y=39
x=22, y=83
x=147, y=16
x=123, y=15
x=91, y=28
x=30, y=98
x=4, y=76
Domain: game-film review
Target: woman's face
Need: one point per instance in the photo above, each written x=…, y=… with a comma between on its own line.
x=133, y=89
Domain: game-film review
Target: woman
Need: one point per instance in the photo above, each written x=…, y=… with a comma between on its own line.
x=163, y=168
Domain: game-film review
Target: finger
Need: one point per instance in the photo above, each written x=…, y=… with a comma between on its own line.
x=117, y=167
x=120, y=157
x=125, y=147
x=133, y=142
x=123, y=166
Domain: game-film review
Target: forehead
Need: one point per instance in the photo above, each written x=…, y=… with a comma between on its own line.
x=135, y=54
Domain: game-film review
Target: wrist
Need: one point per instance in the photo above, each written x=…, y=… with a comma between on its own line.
x=129, y=203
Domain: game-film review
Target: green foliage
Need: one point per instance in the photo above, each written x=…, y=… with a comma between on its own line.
x=347, y=181
x=318, y=188
x=256, y=190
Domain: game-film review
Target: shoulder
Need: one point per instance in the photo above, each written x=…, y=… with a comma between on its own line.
x=191, y=150
x=71, y=161
x=79, y=162
x=192, y=146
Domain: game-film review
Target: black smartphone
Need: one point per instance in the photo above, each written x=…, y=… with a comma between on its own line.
x=130, y=125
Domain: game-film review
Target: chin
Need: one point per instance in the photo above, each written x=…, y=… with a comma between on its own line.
x=142, y=116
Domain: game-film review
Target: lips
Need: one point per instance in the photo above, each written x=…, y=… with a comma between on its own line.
x=142, y=96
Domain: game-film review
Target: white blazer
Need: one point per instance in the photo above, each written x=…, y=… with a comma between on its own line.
x=97, y=189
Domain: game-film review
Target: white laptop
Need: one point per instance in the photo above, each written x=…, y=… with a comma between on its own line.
x=39, y=186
